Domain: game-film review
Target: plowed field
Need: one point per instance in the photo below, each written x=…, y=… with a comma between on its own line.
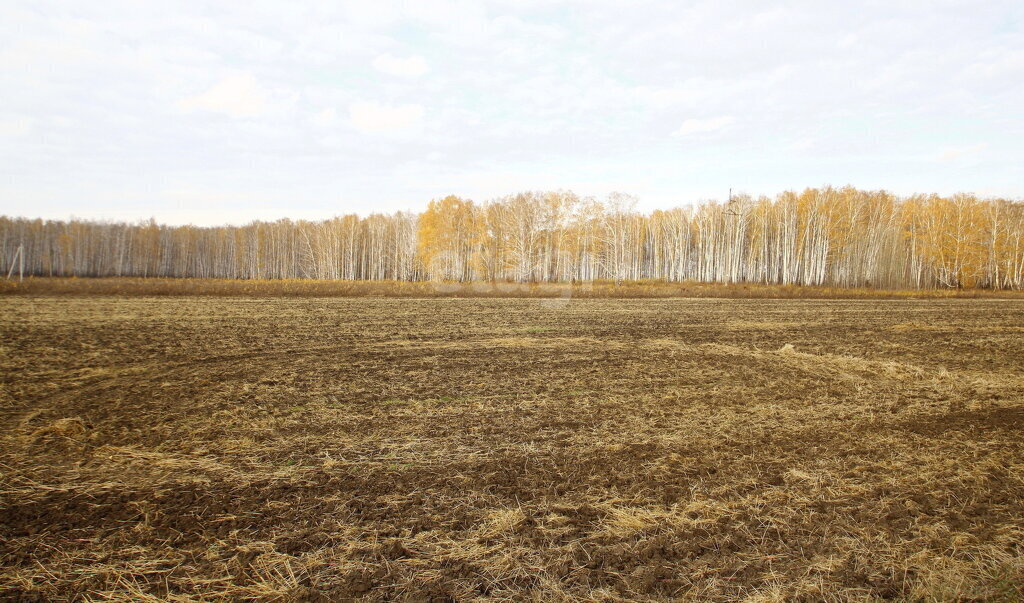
x=295, y=449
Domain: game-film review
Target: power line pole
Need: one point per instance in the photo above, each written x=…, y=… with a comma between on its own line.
x=19, y=257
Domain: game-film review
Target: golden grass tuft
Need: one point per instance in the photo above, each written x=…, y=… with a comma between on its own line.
x=71, y=427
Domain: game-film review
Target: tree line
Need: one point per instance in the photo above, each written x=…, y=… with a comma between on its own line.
x=822, y=236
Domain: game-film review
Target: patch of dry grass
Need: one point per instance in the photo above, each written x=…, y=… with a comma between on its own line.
x=148, y=287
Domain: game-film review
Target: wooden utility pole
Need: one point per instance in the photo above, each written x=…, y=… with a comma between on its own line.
x=19, y=256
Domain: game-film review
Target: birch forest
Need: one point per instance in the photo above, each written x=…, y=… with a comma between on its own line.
x=827, y=236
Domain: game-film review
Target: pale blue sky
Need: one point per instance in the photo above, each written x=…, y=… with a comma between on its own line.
x=232, y=111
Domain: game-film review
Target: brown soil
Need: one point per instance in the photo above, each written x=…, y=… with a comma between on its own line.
x=213, y=287
x=202, y=447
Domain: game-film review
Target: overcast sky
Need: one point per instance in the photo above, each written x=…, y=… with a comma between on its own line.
x=214, y=112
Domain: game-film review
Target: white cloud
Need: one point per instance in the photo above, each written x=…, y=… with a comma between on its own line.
x=237, y=95
x=1003, y=64
x=700, y=126
x=403, y=67
x=954, y=153
x=15, y=126
x=326, y=118
x=373, y=118
x=801, y=144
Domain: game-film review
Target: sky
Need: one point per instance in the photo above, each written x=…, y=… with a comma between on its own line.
x=226, y=112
